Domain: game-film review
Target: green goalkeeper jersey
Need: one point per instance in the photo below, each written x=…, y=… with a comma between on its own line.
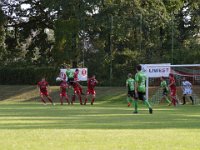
x=140, y=79
x=130, y=82
x=163, y=84
x=69, y=73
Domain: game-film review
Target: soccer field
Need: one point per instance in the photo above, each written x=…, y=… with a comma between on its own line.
x=109, y=124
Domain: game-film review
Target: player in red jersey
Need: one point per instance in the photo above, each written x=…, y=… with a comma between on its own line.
x=76, y=80
x=172, y=87
x=77, y=92
x=92, y=82
x=76, y=75
x=63, y=88
x=43, y=89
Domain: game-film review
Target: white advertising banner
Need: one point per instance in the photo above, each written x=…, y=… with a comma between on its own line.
x=82, y=75
x=156, y=70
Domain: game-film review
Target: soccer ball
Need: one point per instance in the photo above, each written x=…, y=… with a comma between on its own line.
x=58, y=79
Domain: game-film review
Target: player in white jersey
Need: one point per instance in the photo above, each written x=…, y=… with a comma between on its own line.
x=187, y=90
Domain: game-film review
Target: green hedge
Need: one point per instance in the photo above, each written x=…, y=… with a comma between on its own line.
x=27, y=75
x=31, y=75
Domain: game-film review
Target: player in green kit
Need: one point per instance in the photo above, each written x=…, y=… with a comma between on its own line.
x=131, y=93
x=140, y=89
x=165, y=93
x=70, y=75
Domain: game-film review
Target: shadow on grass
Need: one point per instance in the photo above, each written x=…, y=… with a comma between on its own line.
x=24, y=93
x=30, y=93
x=104, y=95
x=30, y=116
x=109, y=112
x=8, y=92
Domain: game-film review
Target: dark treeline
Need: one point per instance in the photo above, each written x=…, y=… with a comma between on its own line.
x=108, y=36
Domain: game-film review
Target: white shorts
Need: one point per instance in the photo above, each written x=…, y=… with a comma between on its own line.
x=187, y=92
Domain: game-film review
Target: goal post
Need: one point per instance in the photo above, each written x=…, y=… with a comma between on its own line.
x=155, y=71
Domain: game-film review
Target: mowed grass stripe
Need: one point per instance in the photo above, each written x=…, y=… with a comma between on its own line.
x=77, y=139
x=23, y=116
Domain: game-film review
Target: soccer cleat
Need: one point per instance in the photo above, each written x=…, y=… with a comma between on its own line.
x=192, y=102
x=135, y=112
x=169, y=104
x=91, y=103
x=150, y=110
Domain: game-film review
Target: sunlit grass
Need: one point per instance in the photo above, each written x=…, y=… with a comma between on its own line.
x=100, y=139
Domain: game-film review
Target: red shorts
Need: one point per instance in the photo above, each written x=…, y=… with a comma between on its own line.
x=63, y=94
x=75, y=79
x=173, y=92
x=44, y=93
x=77, y=91
x=92, y=92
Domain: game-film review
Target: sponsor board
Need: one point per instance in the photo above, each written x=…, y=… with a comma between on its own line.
x=82, y=75
x=156, y=70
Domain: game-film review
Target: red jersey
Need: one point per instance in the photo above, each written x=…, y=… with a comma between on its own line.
x=76, y=88
x=75, y=85
x=43, y=86
x=63, y=86
x=91, y=83
x=172, y=80
x=76, y=76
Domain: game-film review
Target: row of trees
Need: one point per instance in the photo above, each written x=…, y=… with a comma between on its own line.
x=108, y=35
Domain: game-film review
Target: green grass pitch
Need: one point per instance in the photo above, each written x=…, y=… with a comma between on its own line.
x=26, y=124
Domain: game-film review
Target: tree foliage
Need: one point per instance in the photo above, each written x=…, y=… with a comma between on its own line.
x=114, y=35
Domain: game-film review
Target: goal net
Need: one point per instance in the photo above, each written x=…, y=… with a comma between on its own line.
x=188, y=72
